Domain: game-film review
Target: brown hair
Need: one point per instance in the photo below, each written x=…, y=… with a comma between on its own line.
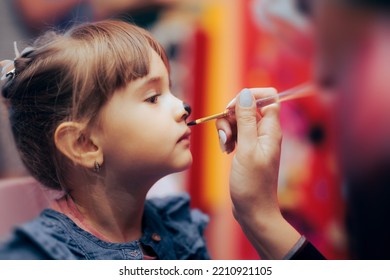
x=70, y=76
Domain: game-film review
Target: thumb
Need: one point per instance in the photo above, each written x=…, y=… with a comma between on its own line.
x=246, y=113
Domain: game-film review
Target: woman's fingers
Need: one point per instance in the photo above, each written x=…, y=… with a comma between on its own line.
x=227, y=127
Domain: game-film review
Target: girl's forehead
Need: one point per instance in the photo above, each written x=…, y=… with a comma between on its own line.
x=158, y=69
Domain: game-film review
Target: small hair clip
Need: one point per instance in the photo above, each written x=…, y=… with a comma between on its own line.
x=8, y=69
x=8, y=66
x=23, y=52
x=10, y=74
x=16, y=50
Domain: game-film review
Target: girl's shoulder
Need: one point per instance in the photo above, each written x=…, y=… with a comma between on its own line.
x=170, y=227
x=38, y=239
x=177, y=207
x=173, y=219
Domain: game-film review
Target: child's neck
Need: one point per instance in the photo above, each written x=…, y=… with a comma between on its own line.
x=113, y=215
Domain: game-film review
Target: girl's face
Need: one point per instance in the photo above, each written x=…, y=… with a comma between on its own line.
x=143, y=130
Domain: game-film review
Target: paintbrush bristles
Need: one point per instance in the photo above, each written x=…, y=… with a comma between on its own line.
x=191, y=123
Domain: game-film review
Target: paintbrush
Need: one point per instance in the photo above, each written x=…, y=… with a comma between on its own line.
x=292, y=93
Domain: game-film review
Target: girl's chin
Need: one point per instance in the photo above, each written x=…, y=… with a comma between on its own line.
x=185, y=165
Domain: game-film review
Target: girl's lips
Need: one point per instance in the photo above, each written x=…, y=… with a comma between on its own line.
x=186, y=136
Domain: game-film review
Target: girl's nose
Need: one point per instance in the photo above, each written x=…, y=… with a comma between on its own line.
x=187, y=108
x=182, y=109
x=187, y=111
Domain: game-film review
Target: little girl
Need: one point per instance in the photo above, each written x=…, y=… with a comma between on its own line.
x=93, y=117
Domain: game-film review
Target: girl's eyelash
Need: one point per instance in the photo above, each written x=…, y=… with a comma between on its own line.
x=153, y=99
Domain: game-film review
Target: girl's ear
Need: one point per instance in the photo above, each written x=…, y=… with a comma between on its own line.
x=72, y=140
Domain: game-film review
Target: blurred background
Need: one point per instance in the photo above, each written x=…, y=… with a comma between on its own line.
x=216, y=48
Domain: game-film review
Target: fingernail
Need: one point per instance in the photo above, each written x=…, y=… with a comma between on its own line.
x=222, y=136
x=246, y=99
x=222, y=139
x=231, y=102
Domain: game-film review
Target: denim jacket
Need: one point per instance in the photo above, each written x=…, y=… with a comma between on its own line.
x=170, y=229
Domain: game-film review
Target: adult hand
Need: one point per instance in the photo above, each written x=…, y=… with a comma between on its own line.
x=254, y=173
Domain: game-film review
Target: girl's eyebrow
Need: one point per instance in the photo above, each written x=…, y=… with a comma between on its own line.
x=156, y=80
x=151, y=81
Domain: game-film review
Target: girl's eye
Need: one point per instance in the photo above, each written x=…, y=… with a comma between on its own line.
x=153, y=99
